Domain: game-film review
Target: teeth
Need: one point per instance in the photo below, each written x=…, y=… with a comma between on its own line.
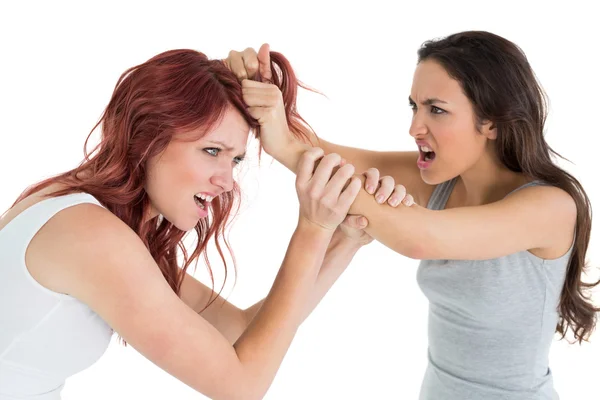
x=198, y=203
x=205, y=197
x=426, y=149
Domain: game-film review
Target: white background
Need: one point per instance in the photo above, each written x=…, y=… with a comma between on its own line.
x=367, y=340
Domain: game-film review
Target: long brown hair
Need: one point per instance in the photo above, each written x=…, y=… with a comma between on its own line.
x=498, y=80
x=173, y=92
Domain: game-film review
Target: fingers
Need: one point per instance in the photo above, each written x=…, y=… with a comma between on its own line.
x=338, y=181
x=324, y=171
x=349, y=194
x=408, y=200
x=250, y=60
x=306, y=165
x=372, y=181
x=235, y=62
x=249, y=83
x=397, y=196
x=261, y=98
x=356, y=221
x=385, y=189
x=400, y=196
x=265, y=95
x=248, y=63
x=264, y=62
x=245, y=64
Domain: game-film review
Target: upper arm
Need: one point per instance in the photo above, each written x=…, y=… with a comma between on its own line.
x=400, y=165
x=539, y=217
x=534, y=218
x=104, y=264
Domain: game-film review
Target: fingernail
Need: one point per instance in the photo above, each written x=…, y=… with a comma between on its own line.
x=370, y=189
x=363, y=222
x=407, y=202
x=379, y=199
x=394, y=202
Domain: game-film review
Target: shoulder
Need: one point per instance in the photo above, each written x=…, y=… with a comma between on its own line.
x=548, y=211
x=550, y=199
x=77, y=241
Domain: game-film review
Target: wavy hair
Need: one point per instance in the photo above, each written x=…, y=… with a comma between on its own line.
x=496, y=77
x=173, y=92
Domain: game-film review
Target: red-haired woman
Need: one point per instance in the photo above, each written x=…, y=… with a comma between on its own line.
x=502, y=230
x=99, y=249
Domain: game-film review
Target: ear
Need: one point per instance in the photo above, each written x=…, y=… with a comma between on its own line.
x=489, y=130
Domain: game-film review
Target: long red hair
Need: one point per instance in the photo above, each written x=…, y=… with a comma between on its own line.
x=175, y=91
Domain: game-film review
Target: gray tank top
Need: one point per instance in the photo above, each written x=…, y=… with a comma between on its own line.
x=491, y=322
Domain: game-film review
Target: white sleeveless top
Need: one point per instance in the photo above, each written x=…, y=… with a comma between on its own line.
x=45, y=336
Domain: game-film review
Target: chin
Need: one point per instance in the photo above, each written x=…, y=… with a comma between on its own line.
x=431, y=178
x=435, y=178
x=182, y=223
x=187, y=225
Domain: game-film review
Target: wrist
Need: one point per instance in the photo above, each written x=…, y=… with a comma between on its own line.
x=314, y=230
x=289, y=153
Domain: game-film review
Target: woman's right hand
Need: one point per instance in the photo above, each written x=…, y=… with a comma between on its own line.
x=325, y=199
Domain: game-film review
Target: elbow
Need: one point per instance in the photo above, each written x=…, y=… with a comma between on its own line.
x=245, y=384
x=418, y=246
x=239, y=391
x=415, y=251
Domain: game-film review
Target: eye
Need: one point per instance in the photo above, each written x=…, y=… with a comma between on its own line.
x=238, y=160
x=412, y=106
x=213, y=151
x=437, y=110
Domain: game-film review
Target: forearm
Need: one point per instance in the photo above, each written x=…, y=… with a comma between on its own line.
x=339, y=254
x=262, y=346
x=402, y=229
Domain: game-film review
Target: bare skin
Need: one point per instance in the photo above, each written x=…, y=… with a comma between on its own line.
x=226, y=352
x=538, y=219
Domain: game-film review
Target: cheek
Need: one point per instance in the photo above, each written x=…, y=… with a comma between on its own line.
x=194, y=174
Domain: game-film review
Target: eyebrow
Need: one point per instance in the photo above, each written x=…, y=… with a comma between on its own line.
x=226, y=147
x=429, y=101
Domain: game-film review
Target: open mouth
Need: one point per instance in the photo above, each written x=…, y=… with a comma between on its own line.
x=200, y=202
x=426, y=153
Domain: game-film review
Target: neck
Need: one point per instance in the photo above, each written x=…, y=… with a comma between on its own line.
x=487, y=181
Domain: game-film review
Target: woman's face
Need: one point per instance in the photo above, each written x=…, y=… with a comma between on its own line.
x=188, y=174
x=444, y=125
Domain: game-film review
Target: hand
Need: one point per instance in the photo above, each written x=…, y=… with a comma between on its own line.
x=265, y=104
x=384, y=189
x=325, y=199
x=264, y=99
x=247, y=64
x=353, y=226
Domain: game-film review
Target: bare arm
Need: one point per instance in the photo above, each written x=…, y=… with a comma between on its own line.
x=231, y=321
x=97, y=258
x=528, y=219
x=400, y=165
x=99, y=271
x=339, y=254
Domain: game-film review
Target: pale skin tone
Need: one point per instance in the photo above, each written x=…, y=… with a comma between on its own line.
x=225, y=352
x=479, y=222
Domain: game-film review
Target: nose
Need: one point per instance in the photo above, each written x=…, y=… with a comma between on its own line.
x=417, y=126
x=223, y=178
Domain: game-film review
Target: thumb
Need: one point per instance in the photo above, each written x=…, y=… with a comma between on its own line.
x=264, y=62
x=356, y=221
